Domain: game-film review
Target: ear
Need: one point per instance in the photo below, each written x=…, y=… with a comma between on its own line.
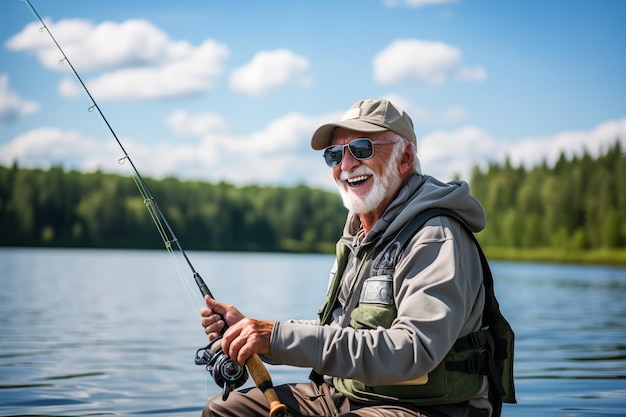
x=405, y=163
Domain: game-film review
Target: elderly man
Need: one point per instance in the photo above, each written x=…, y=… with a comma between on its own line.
x=398, y=303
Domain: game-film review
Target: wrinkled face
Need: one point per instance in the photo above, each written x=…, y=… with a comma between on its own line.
x=367, y=185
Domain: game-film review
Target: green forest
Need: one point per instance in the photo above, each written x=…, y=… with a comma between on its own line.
x=73, y=209
x=574, y=211
x=563, y=212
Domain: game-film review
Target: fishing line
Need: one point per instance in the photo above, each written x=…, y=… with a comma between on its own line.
x=165, y=230
x=226, y=373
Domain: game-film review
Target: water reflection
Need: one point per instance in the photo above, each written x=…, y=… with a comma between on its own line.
x=113, y=332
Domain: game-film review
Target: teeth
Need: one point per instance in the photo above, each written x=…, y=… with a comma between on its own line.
x=357, y=179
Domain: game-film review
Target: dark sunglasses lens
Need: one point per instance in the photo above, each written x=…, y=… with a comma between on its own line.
x=361, y=148
x=333, y=156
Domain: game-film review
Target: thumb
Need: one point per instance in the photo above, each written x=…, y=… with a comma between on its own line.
x=215, y=305
x=229, y=313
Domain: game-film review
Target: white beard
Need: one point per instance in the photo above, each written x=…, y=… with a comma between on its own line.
x=388, y=182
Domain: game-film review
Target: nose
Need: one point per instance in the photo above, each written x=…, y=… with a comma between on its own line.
x=348, y=162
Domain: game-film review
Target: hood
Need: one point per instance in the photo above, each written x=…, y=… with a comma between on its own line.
x=422, y=192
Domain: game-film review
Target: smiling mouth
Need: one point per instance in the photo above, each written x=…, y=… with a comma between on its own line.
x=353, y=182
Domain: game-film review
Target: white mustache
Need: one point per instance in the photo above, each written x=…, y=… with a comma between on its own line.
x=361, y=170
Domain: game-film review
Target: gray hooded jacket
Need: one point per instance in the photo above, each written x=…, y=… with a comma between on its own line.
x=437, y=287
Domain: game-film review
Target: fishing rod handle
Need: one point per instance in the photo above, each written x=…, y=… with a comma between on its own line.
x=262, y=379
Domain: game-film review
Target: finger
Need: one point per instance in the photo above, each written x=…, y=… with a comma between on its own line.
x=239, y=342
x=213, y=335
x=205, y=312
x=214, y=320
x=244, y=352
x=229, y=336
x=214, y=330
x=237, y=349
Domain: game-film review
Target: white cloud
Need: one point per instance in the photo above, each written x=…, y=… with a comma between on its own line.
x=269, y=70
x=447, y=153
x=416, y=3
x=533, y=151
x=99, y=47
x=449, y=115
x=410, y=60
x=140, y=59
x=277, y=154
x=70, y=87
x=280, y=153
x=183, y=123
x=46, y=146
x=444, y=154
x=12, y=106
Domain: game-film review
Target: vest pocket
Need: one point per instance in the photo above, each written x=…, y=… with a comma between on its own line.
x=376, y=305
x=370, y=316
x=377, y=290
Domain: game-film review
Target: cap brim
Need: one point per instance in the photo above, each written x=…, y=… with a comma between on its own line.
x=324, y=134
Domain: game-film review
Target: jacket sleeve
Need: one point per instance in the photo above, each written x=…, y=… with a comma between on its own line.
x=439, y=298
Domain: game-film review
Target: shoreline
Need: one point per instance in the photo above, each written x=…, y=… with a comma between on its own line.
x=603, y=257
x=607, y=257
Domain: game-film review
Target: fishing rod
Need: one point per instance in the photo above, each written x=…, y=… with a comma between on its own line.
x=227, y=373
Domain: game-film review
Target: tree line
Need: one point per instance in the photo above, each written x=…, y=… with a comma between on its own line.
x=579, y=203
x=61, y=208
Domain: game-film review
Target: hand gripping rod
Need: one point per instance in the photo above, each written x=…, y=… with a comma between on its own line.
x=257, y=369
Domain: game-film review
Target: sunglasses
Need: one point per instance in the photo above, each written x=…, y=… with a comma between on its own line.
x=361, y=149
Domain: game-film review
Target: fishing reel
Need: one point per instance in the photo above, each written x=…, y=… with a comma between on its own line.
x=226, y=373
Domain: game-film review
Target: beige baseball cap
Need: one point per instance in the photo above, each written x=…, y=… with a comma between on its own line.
x=367, y=116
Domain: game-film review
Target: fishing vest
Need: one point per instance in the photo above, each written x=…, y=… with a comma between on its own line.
x=459, y=377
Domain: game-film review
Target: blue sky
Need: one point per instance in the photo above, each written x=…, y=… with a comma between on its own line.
x=233, y=90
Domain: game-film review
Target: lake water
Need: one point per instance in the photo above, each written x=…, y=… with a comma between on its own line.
x=107, y=332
